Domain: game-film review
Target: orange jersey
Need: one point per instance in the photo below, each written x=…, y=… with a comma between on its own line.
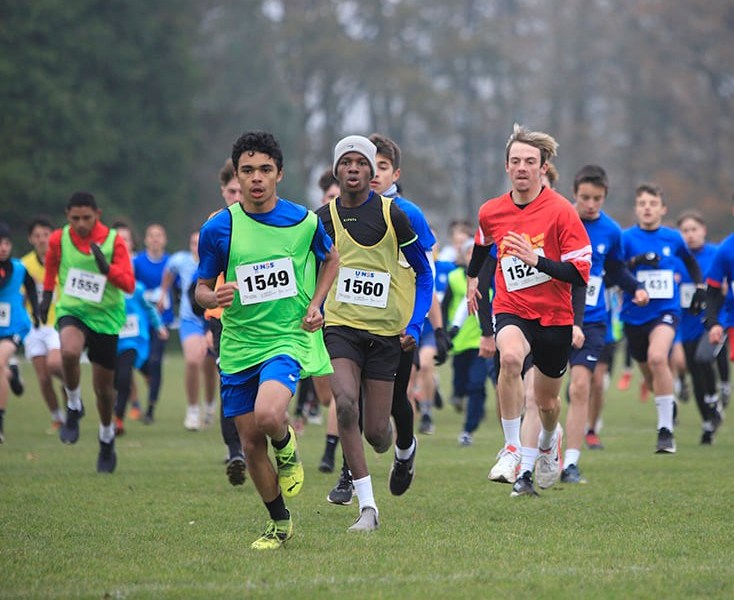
x=555, y=231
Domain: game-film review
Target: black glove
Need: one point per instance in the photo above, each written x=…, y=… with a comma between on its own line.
x=453, y=332
x=698, y=301
x=198, y=310
x=102, y=264
x=649, y=259
x=443, y=345
x=45, y=305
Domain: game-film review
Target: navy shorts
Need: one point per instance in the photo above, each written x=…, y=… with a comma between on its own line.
x=590, y=353
x=378, y=356
x=638, y=336
x=239, y=390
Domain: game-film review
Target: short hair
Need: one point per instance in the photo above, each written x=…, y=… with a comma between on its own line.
x=648, y=187
x=552, y=174
x=326, y=180
x=39, y=221
x=257, y=141
x=226, y=173
x=123, y=224
x=693, y=214
x=592, y=174
x=537, y=139
x=81, y=199
x=387, y=147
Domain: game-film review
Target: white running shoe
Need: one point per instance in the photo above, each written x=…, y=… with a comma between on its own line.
x=549, y=465
x=507, y=466
x=210, y=413
x=191, y=422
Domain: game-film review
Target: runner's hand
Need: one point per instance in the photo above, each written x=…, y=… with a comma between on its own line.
x=443, y=346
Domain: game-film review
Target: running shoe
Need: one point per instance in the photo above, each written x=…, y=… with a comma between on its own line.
x=549, y=465
x=210, y=413
x=327, y=463
x=276, y=534
x=107, y=458
x=507, y=466
x=69, y=432
x=403, y=472
x=624, y=381
x=426, y=427
x=707, y=438
x=592, y=441
x=119, y=427
x=135, y=413
x=15, y=380
x=191, y=422
x=571, y=474
x=666, y=442
x=523, y=486
x=343, y=491
x=236, y=469
x=465, y=439
x=367, y=520
x=458, y=403
x=290, y=467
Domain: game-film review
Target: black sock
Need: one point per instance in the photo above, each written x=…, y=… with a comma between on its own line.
x=2, y=417
x=331, y=442
x=277, y=509
x=282, y=443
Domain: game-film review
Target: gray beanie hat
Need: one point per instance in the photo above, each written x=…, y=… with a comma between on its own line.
x=356, y=143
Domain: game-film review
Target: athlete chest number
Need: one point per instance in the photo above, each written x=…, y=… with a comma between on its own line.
x=85, y=285
x=519, y=275
x=592, y=290
x=658, y=283
x=4, y=314
x=263, y=282
x=365, y=288
x=131, y=328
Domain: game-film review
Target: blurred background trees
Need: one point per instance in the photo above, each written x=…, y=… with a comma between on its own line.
x=139, y=102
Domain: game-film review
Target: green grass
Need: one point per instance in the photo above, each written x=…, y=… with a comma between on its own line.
x=168, y=525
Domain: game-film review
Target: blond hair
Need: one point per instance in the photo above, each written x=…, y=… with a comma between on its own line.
x=537, y=139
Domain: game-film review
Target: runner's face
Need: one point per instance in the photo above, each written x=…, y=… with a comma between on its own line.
x=649, y=210
x=385, y=175
x=126, y=237
x=232, y=192
x=6, y=247
x=524, y=168
x=331, y=193
x=354, y=173
x=258, y=176
x=155, y=239
x=693, y=233
x=194, y=245
x=82, y=219
x=38, y=238
x=589, y=200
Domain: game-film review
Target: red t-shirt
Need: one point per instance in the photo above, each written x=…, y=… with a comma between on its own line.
x=121, y=273
x=555, y=230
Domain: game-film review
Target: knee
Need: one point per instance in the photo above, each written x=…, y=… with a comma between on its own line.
x=347, y=411
x=511, y=362
x=69, y=356
x=253, y=448
x=380, y=437
x=268, y=419
x=657, y=361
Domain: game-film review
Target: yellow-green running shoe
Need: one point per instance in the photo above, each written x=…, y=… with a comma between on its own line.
x=276, y=534
x=290, y=467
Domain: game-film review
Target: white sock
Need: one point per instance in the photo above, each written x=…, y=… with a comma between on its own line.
x=363, y=489
x=664, y=404
x=404, y=454
x=527, y=462
x=74, y=398
x=511, y=429
x=107, y=434
x=545, y=439
x=58, y=415
x=571, y=457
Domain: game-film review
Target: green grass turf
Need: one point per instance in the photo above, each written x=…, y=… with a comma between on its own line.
x=168, y=525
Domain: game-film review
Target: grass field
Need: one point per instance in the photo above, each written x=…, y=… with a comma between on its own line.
x=168, y=525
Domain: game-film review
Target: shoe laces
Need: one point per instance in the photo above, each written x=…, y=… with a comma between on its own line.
x=345, y=481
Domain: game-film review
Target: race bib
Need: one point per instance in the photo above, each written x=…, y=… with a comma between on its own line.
x=131, y=328
x=519, y=276
x=85, y=285
x=366, y=288
x=686, y=294
x=266, y=281
x=658, y=283
x=592, y=290
x=4, y=314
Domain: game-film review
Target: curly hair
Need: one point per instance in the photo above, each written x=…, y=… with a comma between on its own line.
x=257, y=141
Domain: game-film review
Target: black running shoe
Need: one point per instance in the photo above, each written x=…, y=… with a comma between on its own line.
x=402, y=473
x=707, y=438
x=327, y=463
x=437, y=399
x=344, y=490
x=148, y=417
x=69, y=432
x=236, y=469
x=426, y=425
x=571, y=474
x=107, y=458
x=15, y=380
x=523, y=486
x=666, y=442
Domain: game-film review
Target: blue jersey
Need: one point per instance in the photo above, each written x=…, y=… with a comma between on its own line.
x=150, y=273
x=14, y=320
x=217, y=231
x=140, y=317
x=692, y=326
x=721, y=270
x=660, y=282
x=418, y=222
x=183, y=264
x=606, y=244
